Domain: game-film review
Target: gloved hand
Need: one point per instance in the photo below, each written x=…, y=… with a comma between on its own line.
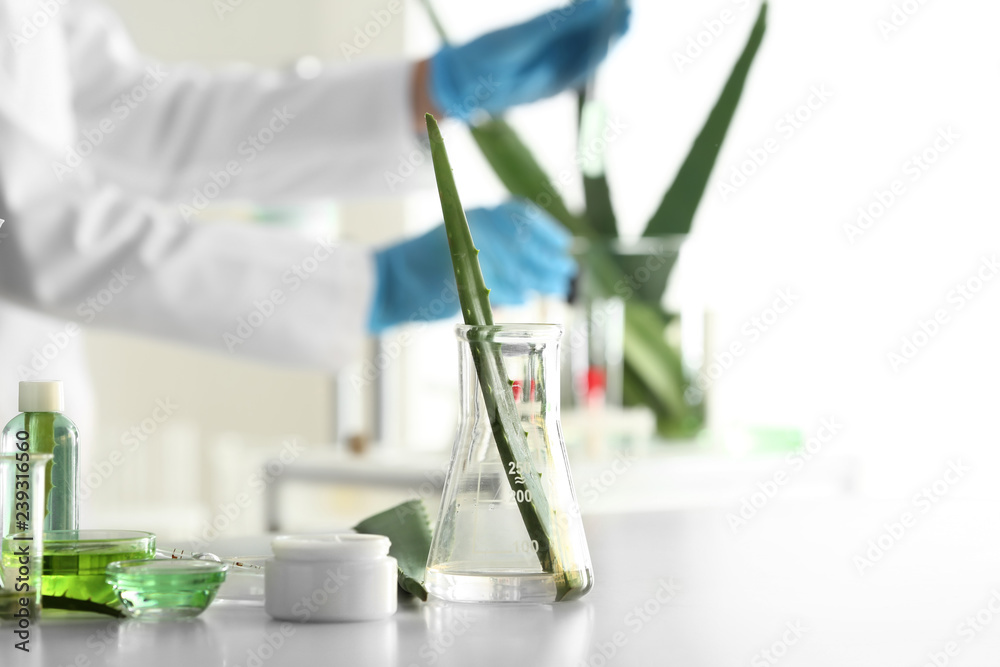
x=526, y=62
x=521, y=250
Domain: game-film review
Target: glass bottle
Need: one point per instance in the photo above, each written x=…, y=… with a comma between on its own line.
x=482, y=550
x=22, y=476
x=48, y=431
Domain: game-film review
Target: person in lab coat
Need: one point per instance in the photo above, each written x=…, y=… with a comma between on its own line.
x=106, y=155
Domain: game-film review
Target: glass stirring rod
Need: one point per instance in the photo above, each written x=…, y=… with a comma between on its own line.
x=236, y=561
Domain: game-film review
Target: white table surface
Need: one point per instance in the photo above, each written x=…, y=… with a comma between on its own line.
x=737, y=594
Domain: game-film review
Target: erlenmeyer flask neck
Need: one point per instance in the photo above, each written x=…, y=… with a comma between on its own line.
x=531, y=356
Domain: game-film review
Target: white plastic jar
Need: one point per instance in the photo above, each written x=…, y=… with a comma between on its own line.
x=324, y=578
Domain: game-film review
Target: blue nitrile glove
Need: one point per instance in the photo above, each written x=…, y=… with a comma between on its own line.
x=521, y=250
x=526, y=62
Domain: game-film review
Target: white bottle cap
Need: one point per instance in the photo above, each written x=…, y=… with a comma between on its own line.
x=44, y=396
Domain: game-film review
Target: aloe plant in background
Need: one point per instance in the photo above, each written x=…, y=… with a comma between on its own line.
x=654, y=375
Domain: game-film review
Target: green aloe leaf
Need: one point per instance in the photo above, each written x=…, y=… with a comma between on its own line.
x=73, y=604
x=518, y=169
x=676, y=211
x=651, y=358
x=596, y=192
x=435, y=21
x=600, y=212
x=652, y=366
x=494, y=381
x=409, y=531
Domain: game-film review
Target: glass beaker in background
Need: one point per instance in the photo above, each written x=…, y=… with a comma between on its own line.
x=482, y=550
x=22, y=512
x=603, y=366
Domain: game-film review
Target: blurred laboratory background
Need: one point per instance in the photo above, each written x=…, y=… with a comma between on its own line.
x=842, y=101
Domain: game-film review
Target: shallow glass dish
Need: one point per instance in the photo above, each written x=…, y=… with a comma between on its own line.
x=74, y=561
x=165, y=589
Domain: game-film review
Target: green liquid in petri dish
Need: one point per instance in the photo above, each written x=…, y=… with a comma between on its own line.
x=166, y=589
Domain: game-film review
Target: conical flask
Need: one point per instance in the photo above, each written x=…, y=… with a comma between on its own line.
x=509, y=529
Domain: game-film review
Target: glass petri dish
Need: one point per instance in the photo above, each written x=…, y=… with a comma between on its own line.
x=74, y=561
x=166, y=589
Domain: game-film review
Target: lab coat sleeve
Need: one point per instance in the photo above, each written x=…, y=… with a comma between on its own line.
x=188, y=135
x=107, y=259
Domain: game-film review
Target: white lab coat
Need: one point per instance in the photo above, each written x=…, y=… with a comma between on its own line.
x=115, y=223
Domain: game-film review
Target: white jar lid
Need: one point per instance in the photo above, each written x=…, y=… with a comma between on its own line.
x=332, y=546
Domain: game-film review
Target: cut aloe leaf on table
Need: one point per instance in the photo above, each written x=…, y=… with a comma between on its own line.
x=409, y=532
x=494, y=381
